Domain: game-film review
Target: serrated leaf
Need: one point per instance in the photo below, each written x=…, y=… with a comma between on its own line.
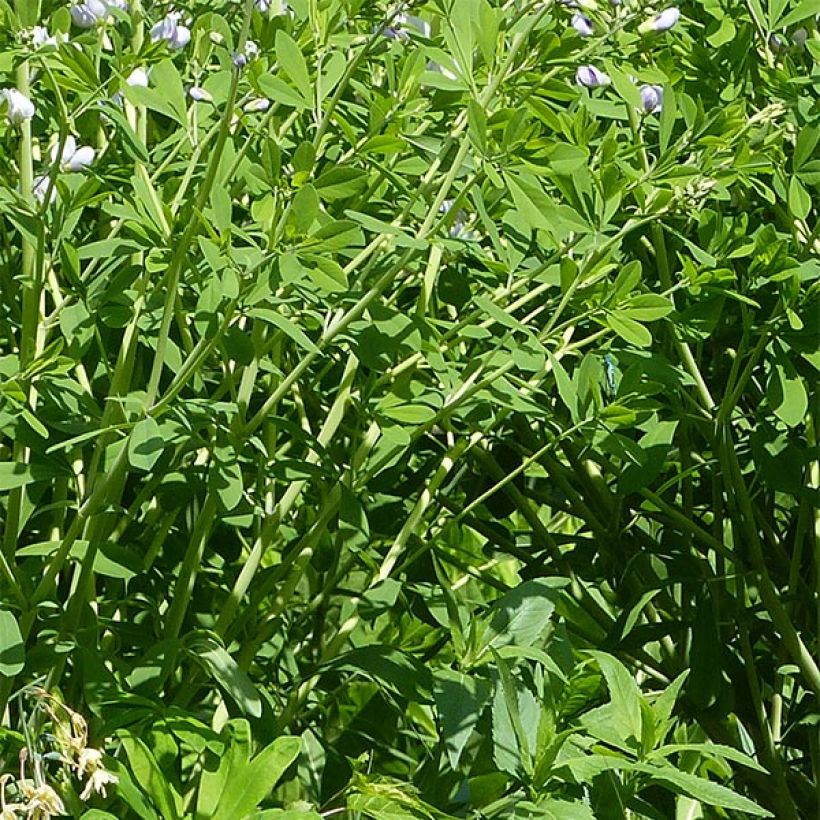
x=625, y=696
x=700, y=788
x=460, y=701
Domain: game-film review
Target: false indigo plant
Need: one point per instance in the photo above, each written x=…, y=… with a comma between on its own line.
x=409, y=409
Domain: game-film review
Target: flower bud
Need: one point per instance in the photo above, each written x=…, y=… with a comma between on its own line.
x=591, y=77
x=19, y=107
x=198, y=94
x=776, y=42
x=582, y=24
x=651, y=98
x=660, y=22
x=257, y=105
x=138, y=78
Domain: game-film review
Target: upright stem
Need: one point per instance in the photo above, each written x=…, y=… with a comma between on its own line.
x=30, y=336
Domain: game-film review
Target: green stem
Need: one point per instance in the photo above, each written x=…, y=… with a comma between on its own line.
x=30, y=327
x=180, y=254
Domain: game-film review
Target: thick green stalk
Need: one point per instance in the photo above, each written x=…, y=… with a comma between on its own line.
x=30, y=329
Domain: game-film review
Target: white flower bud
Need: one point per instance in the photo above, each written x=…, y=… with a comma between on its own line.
x=257, y=105
x=20, y=107
x=138, y=77
x=660, y=22
x=199, y=94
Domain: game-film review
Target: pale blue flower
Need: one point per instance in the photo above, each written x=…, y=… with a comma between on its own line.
x=169, y=29
x=651, y=98
x=582, y=24
x=591, y=77
x=661, y=22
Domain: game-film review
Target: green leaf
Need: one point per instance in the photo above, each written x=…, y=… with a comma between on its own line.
x=565, y=158
x=288, y=327
x=325, y=273
x=245, y=789
x=408, y=413
x=166, y=80
x=280, y=92
x=149, y=776
x=391, y=668
x=515, y=717
x=523, y=614
x=145, y=444
x=623, y=85
x=700, y=788
x=460, y=701
x=628, y=329
x=292, y=62
x=647, y=307
x=227, y=673
x=14, y=474
x=625, y=696
x=225, y=479
x=717, y=750
x=12, y=647
x=340, y=182
x=786, y=391
x=304, y=208
x=803, y=10
x=799, y=199
x=221, y=772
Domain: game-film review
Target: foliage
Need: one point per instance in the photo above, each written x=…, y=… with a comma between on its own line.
x=410, y=412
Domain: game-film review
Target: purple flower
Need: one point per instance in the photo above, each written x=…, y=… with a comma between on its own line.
x=582, y=24
x=591, y=77
x=651, y=98
x=661, y=22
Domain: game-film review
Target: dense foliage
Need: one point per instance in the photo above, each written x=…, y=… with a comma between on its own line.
x=409, y=412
